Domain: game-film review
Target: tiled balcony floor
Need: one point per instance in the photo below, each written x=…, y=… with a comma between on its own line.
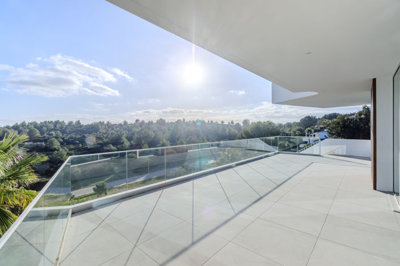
x=325, y=214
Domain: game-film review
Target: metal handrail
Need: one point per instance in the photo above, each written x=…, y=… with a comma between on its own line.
x=175, y=146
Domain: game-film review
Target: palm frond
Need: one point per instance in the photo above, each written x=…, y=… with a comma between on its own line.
x=6, y=220
x=15, y=173
x=16, y=197
x=12, y=141
x=9, y=150
x=21, y=172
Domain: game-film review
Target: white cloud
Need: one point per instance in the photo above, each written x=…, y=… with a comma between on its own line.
x=238, y=92
x=149, y=101
x=5, y=67
x=121, y=73
x=101, y=90
x=59, y=76
x=263, y=112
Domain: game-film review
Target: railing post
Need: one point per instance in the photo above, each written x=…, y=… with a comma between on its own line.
x=199, y=158
x=69, y=170
x=126, y=168
x=165, y=164
x=319, y=145
x=278, y=144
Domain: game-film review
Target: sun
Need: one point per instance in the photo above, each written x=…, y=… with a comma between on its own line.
x=193, y=74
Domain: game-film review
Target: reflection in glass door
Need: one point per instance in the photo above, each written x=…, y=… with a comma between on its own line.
x=396, y=132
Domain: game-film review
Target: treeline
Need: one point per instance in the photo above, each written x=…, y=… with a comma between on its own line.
x=58, y=139
x=349, y=126
x=346, y=126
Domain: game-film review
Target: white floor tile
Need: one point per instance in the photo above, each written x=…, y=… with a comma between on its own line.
x=283, y=245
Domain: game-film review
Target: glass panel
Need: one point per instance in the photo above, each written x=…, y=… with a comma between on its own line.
x=271, y=143
x=207, y=156
x=37, y=239
x=181, y=160
x=288, y=144
x=146, y=167
x=94, y=178
x=27, y=245
x=309, y=146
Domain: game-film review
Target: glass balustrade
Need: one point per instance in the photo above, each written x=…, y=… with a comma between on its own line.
x=36, y=237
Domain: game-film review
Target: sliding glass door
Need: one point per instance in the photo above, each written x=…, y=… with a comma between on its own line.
x=396, y=132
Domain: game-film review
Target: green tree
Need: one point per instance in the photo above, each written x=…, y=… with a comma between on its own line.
x=15, y=174
x=145, y=146
x=329, y=116
x=53, y=144
x=259, y=129
x=350, y=126
x=164, y=143
x=308, y=121
x=297, y=131
x=123, y=143
x=110, y=147
x=59, y=156
x=33, y=133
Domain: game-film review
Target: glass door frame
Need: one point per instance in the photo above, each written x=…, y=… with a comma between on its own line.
x=396, y=133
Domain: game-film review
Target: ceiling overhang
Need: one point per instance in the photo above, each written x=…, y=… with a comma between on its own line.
x=333, y=48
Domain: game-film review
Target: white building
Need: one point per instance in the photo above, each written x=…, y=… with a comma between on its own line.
x=317, y=53
x=246, y=202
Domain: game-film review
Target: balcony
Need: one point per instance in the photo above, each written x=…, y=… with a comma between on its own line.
x=266, y=201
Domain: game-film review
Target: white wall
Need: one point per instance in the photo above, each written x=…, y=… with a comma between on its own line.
x=348, y=147
x=384, y=133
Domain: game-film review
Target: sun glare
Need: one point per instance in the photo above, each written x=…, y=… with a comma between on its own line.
x=193, y=74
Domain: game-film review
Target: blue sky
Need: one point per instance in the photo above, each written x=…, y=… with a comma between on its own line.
x=90, y=60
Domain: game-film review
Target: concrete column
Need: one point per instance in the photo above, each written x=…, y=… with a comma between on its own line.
x=384, y=133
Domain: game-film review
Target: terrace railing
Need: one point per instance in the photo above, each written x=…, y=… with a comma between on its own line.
x=86, y=179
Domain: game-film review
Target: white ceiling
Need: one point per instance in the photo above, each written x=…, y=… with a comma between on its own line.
x=333, y=47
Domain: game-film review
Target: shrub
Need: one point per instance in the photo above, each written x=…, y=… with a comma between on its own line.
x=100, y=188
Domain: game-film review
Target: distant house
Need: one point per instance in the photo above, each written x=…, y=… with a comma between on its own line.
x=319, y=135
